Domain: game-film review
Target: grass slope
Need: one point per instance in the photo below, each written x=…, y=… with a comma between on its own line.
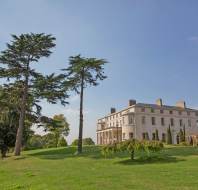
x=175, y=168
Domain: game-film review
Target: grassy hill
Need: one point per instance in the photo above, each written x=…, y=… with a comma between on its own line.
x=175, y=168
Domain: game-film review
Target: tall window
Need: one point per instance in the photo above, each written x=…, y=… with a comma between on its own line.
x=180, y=122
x=163, y=137
x=153, y=136
x=162, y=121
x=153, y=120
x=143, y=136
x=130, y=135
x=197, y=123
x=161, y=111
x=123, y=120
x=189, y=123
x=142, y=109
x=152, y=110
x=143, y=120
x=188, y=113
x=180, y=113
x=131, y=119
x=123, y=135
x=171, y=112
x=172, y=122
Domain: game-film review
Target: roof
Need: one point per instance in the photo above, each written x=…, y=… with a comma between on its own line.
x=164, y=107
x=155, y=106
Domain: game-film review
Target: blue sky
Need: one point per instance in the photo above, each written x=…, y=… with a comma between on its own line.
x=151, y=46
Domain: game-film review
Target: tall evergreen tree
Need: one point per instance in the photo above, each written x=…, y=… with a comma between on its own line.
x=184, y=133
x=156, y=135
x=16, y=63
x=81, y=73
x=169, y=136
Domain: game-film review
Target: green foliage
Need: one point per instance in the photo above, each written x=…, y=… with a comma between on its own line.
x=109, y=149
x=35, y=142
x=27, y=84
x=132, y=146
x=169, y=136
x=85, y=141
x=62, y=142
x=88, y=141
x=58, y=126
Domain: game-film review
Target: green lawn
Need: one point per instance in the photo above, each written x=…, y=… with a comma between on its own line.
x=58, y=169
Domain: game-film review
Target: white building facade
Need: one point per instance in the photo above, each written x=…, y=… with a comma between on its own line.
x=141, y=121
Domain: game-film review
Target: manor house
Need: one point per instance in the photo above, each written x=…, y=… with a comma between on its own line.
x=140, y=121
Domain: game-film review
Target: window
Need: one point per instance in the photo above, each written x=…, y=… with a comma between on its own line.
x=189, y=123
x=180, y=122
x=180, y=113
x=123, y=120
x=143, y=120
x=163, y=137
x=131, y=119
x=171, y=112
x=153, y=136
x=161, y=111
x=143, y=136
x=197, y=123
x=153, y=120
x=162, y=121
x=196, y=113
x=152, y=110
x=130, y=135
x=142, y=109
x=123, y=135
x=172, y=121
x=188, y=113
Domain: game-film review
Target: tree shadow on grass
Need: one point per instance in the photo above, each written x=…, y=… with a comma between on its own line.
x=151, y=160
x=68, y=152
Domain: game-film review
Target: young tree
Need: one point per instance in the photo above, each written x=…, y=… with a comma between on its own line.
x=58, y=126
x=81, y=73
x=62, y=142
x=169, y=136
x=16, y=63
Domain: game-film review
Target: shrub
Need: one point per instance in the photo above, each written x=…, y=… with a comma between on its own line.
x=131, y=146
x=109, y=149
x=35, y=142
x=85, y=141
x=88, y=141
x=62, y=142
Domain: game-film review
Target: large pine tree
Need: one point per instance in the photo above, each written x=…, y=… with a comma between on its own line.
x=81, y=73
x=16, y=64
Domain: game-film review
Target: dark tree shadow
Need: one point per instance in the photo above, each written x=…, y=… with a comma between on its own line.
x=150, y=160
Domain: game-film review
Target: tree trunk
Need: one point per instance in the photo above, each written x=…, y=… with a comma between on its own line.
x=19, y=136
x=81, y=117
x=132, y=155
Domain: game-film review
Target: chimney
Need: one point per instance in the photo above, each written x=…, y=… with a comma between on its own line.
x=181, y=104
x=131, y=102
x=113, y=110
x=159, y=102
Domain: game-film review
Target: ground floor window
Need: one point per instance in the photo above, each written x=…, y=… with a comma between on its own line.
x=123, y=135
x=153, y=136
x=145, y=136
x=131, y=135
x=163, y=137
